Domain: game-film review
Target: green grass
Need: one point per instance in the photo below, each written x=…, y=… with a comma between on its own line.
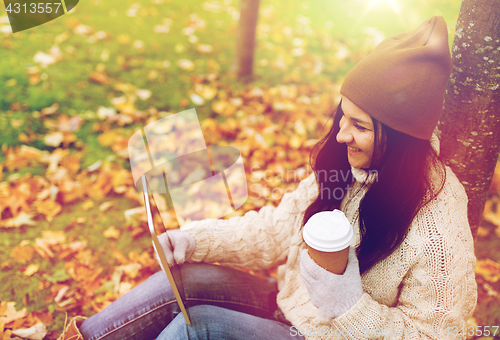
x=20, y=288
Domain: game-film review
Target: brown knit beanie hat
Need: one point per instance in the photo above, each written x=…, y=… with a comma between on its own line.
x=402, y=82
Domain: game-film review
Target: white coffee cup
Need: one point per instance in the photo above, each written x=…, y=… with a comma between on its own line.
x=328, y=235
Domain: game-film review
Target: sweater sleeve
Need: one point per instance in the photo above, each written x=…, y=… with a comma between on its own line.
x=438, y=292
x=256, y=240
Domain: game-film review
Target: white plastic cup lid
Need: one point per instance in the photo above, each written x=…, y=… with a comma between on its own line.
x=328, y=231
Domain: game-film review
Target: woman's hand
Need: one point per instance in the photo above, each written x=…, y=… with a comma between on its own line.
x=180, y=248
x=332, y=294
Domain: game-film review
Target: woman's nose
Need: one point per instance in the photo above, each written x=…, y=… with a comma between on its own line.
x=344, y=136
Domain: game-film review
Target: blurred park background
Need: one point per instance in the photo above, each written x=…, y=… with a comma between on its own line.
x=73, y=234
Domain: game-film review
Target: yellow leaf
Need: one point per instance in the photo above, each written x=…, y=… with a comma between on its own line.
x=61, y=37
x=492, y=217
x=112, y=232
x=31, y=269
x=124, y=288
x=482, y=232
x=36, y=332
x=99, y=77
x=54, y=138
x=295, y=142
x=106, y=205
x=64, y=123
x=299, y=127
x=207, y=92
x=49, y=238
x=21, y=219
x=107, y=138
x=87, y=204
x=123, y=39
x=196, y=99
x=9, y=312
x=131, y=269
x=185, y=64
x=124, y=105
x=50, y=110
x=489, y=290
x=33, y=75
x=224, y=108
x=54, y=237
x=204, y=48
x=81, y=219
x=16, y=123
x=23, y=253
x=48, y=208
x=130, y=214
x=143, y=94
x=488, y=269
x=121, y=180
x=310, y=143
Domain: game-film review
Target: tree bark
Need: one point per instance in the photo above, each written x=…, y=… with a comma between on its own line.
x=469, y=128
x=245, y=41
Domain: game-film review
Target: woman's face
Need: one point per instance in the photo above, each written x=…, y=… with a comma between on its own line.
x=356, y=131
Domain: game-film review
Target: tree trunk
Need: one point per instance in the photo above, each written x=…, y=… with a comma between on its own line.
x=245, y=41
x=469, y=129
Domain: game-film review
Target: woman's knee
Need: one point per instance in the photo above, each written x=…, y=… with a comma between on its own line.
x=207, y=322
x=213, y=322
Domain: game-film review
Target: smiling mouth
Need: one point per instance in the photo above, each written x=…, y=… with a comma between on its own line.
x=353, y=149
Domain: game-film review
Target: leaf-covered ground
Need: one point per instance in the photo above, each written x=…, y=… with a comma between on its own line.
x=73, y=235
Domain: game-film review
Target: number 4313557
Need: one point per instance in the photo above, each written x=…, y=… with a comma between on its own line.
x=33, y=8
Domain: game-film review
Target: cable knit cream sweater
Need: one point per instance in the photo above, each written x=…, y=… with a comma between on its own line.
x=426, y=289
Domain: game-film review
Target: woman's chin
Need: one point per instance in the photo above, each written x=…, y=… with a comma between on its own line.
x=358, y=164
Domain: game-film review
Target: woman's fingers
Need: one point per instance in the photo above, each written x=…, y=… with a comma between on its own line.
x=165, y=245
x=180, y=249
x=182, y=242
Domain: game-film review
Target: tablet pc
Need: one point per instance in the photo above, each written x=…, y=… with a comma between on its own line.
x=173, y=273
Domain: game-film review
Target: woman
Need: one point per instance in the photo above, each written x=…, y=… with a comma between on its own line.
x=410, y=272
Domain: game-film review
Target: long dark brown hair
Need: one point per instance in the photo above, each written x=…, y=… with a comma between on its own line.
x=407, y=171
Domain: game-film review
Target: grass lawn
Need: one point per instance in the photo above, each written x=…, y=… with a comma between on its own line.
x=76, y=88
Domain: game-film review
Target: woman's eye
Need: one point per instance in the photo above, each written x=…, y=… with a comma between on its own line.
x=360, y=128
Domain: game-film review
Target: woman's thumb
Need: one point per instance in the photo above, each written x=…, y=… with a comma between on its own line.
x=180, y=249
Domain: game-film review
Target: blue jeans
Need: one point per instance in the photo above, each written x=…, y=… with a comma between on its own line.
x=237, y=297
x=216, y=323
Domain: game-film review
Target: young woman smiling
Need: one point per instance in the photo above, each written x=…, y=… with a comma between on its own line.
x=357, y=132
x=410, y=271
